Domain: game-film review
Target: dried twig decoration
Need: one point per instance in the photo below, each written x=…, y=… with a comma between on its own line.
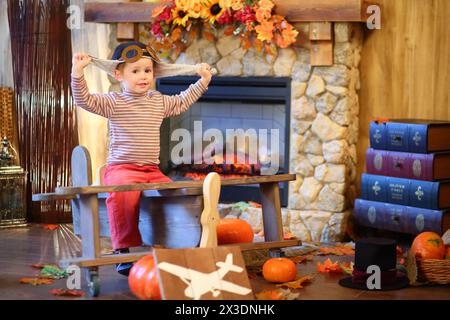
x=41, y=53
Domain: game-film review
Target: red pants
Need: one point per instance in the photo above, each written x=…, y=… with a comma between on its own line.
x=123, y=207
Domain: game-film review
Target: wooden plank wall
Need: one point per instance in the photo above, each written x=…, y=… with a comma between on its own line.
x=405, y=66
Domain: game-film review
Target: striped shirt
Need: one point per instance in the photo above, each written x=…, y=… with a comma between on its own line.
x=135, y=119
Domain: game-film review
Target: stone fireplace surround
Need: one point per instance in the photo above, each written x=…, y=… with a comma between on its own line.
x=324, y=125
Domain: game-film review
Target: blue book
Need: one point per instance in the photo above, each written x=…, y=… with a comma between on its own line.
x=398, y=218
x=407, y=192
x=410, y=135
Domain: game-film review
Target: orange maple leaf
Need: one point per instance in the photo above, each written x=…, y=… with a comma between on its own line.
x=36, y=281
x=277, y=19
x=328, y=267
x=67, y=292
x=289, y=36
x=296, y=284
x=269, y=295
x=266, y=5
x=265, y=31
x=262, y=15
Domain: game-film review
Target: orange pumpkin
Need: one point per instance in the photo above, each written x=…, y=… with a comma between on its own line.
x=428, y=245
x=143, y=280
x=279, y=270
x=234, y=231
x=447, y=252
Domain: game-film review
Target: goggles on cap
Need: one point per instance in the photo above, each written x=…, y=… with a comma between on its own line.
x=133, y=53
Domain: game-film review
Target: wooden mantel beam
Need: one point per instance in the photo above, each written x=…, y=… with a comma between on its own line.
x=322, y=10
x=294, y=10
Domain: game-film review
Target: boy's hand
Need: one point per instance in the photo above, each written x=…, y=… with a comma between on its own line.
x=204, y=70
x=79, y=62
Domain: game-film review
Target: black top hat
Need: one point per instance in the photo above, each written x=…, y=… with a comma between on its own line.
x=378, y=252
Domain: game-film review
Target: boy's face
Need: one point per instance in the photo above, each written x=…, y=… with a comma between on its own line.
x=136, y=77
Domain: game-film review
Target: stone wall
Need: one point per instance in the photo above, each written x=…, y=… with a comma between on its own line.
x=324, y=125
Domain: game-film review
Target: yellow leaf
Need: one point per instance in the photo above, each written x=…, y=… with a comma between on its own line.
x=296, y=284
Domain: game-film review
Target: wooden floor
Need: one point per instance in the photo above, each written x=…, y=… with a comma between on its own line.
x=22, y=247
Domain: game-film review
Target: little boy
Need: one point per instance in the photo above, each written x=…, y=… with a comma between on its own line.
x=135, y=117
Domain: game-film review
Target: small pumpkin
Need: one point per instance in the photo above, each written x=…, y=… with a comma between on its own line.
x=234, y=231
x=447, y=252
x=143, y=280
x=428, y=245
x=279, y=270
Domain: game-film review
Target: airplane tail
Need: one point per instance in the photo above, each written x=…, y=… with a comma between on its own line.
x=229, y=264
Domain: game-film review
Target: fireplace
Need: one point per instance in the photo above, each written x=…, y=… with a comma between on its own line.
x=258, y=104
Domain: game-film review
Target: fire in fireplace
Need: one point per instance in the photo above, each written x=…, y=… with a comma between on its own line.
x=259, y=105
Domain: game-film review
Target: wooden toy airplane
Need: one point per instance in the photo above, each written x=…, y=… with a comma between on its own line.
x=206, y=282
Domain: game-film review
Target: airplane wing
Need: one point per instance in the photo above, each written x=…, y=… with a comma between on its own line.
x=181, y=272
x=234, y=288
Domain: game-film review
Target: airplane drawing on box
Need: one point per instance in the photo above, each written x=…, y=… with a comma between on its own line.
x=199, y=283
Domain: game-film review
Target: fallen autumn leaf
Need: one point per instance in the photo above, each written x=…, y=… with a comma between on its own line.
x=36, y=281
x=296, y=284
x=328, y=267
x=67, y=293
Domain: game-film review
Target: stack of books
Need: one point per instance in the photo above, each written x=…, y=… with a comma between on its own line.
x=407, y=185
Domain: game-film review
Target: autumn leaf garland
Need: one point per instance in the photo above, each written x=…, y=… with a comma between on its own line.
x=176, y=23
